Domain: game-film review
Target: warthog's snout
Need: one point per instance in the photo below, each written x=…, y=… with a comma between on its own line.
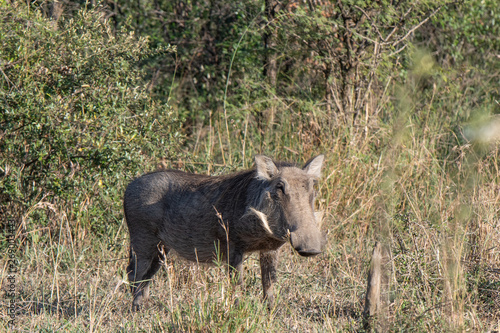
x=308, y=253
x=307, y=244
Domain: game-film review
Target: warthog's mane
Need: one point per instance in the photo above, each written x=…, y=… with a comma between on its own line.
x=237, y=174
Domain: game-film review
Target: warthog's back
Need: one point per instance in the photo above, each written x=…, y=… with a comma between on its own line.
x=143, y=200
x=182, y=210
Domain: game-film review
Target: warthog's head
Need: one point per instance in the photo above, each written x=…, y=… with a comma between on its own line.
x=285, y=206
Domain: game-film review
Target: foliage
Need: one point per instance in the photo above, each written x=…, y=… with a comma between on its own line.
x=467, y=31
x=206, y=34
x=77, y=114
x=349, y=50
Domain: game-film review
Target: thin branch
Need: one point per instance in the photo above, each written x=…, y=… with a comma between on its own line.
x=369, y=18
x=398, y=51
x=417, y=26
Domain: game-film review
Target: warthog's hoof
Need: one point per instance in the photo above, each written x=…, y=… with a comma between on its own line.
x=269, y=302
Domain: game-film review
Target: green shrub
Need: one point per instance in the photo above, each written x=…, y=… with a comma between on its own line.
x=77, y=118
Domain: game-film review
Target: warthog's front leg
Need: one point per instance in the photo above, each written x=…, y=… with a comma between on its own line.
x=235, y=270
x=142, y=266
x=236, y=266
x=268, y=261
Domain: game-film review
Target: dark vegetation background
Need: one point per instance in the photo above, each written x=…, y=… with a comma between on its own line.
x=401, y=96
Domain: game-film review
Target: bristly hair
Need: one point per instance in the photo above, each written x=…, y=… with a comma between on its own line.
x=281, y=164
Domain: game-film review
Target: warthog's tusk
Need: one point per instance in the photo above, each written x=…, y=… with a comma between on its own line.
x=263, y=218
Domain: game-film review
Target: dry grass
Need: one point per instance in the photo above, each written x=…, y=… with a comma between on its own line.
x=441, y=224
x=432, y=199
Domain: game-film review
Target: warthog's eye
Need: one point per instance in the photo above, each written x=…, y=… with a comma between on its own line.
x=280, y=186
x=315, y=186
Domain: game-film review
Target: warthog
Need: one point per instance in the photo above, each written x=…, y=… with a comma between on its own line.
x=203, y=218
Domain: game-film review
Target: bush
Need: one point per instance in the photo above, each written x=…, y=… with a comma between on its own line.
x=77, y=114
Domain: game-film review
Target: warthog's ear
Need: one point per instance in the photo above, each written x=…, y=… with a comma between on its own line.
x=266, y=168
x=313, y=166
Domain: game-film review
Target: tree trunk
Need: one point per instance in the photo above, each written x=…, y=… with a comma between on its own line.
x=266, y=118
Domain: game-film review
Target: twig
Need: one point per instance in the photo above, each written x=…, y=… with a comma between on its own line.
x=417, y=26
